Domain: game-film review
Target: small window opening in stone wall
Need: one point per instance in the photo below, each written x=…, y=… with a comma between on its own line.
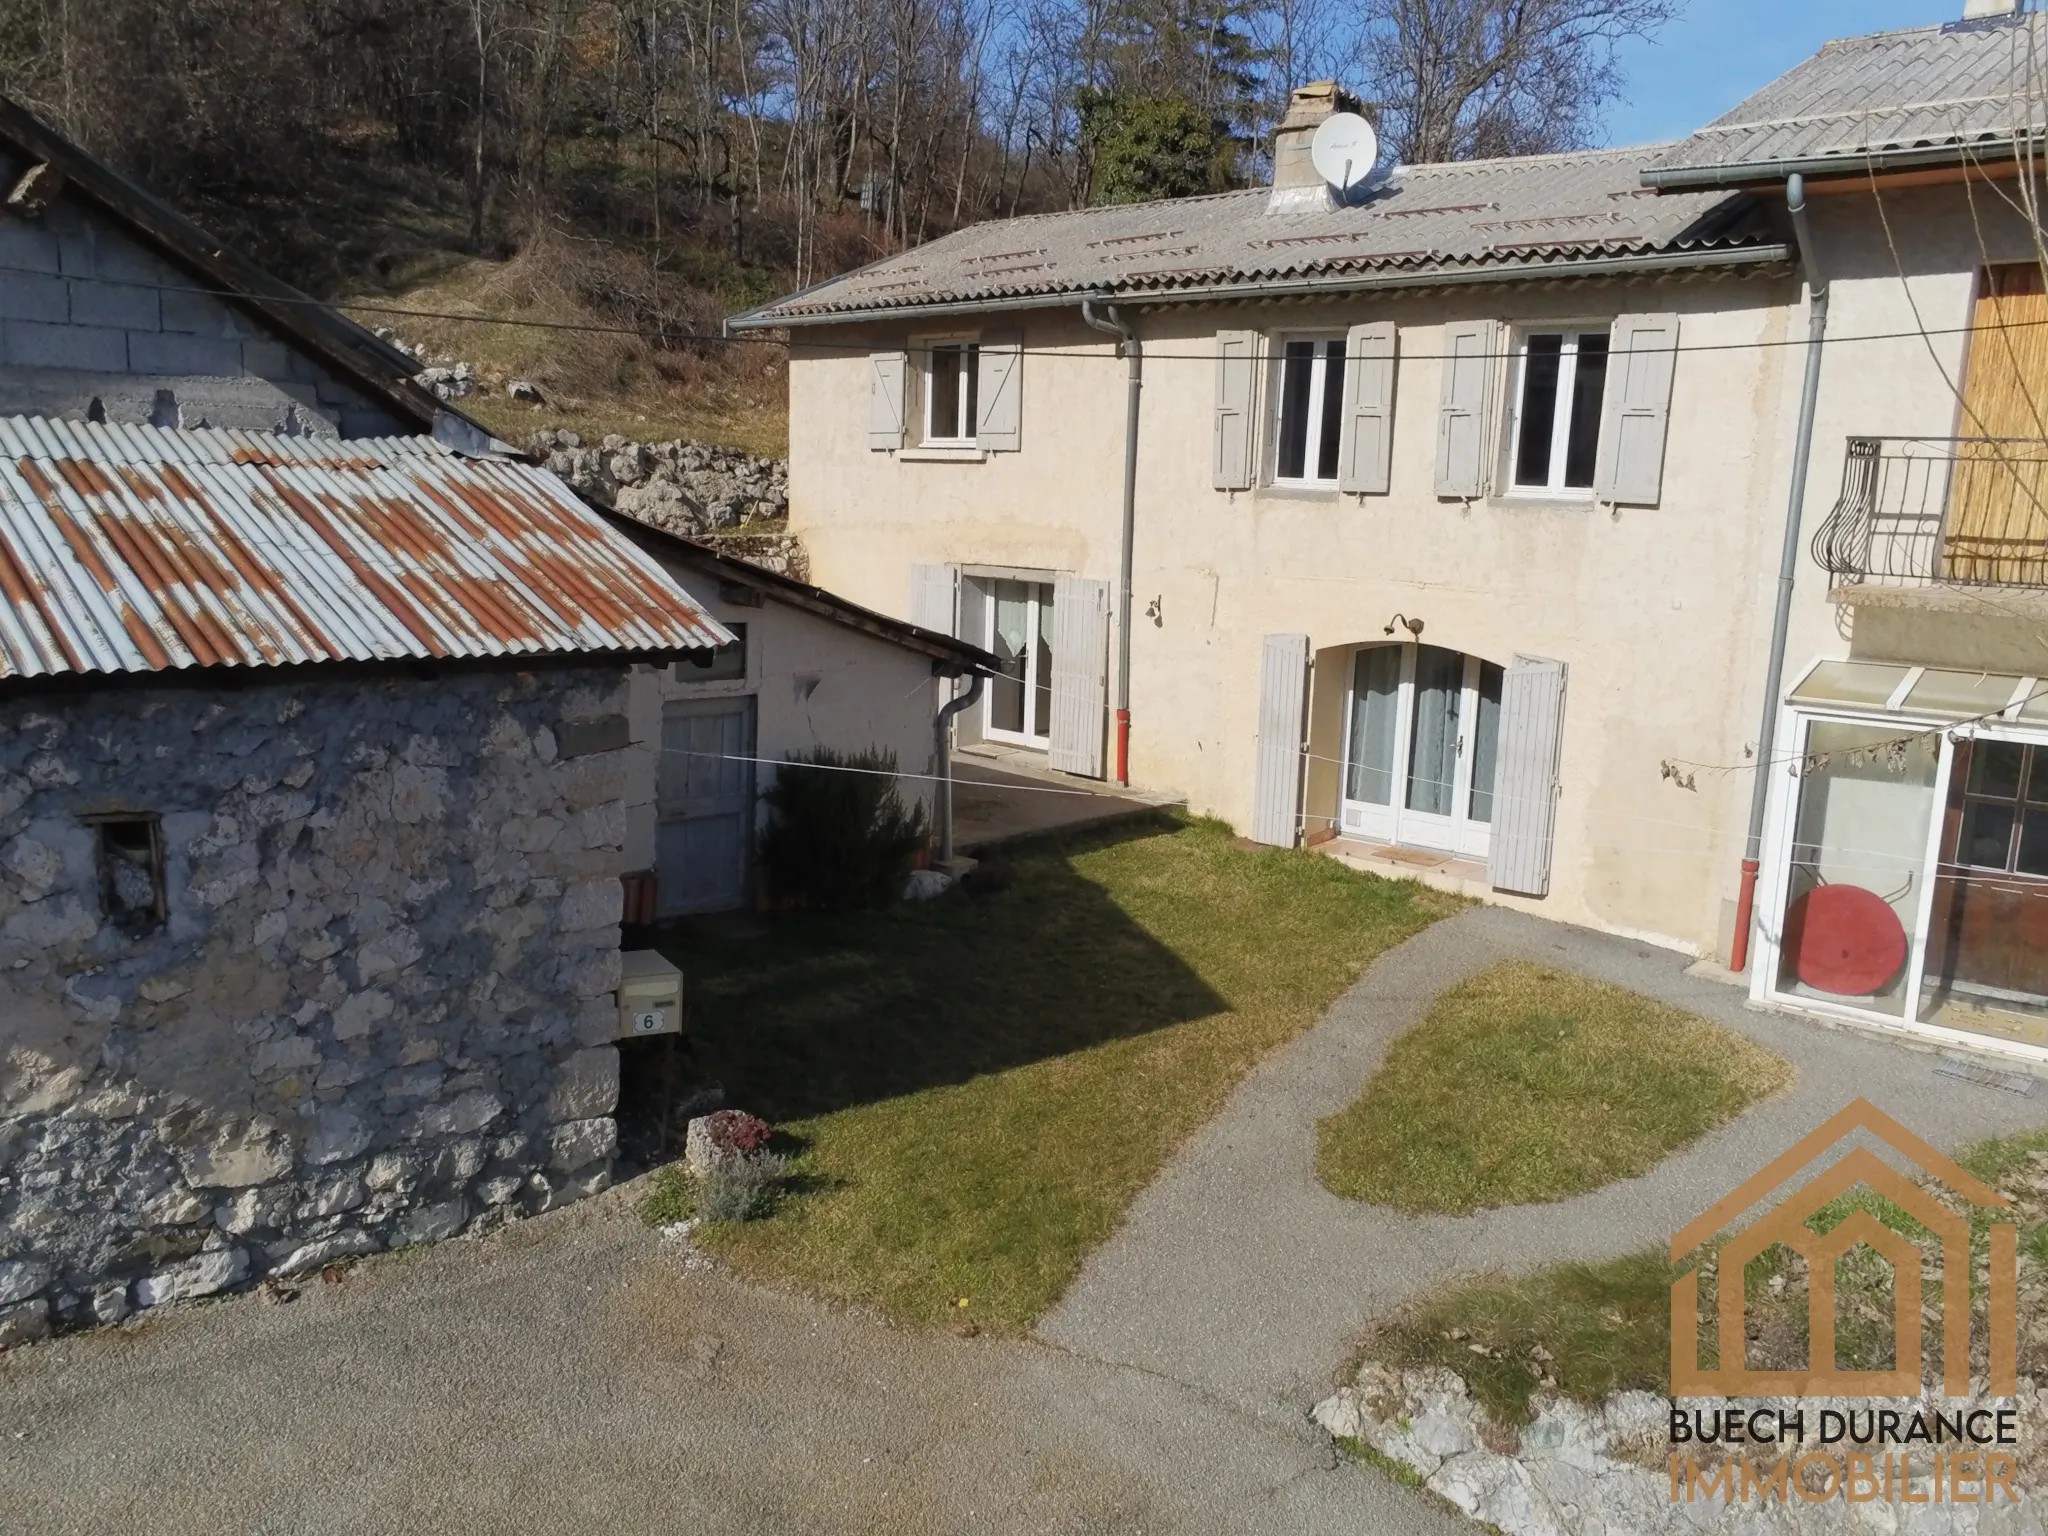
x=132, y=873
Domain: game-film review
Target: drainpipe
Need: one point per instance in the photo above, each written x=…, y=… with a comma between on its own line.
x=943, y=729
x=1788, y=565
x=1134, y=358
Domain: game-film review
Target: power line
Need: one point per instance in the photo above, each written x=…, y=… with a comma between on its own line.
x=846, y=349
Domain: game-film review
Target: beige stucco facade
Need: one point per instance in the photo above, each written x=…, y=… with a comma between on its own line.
x=1661, y=613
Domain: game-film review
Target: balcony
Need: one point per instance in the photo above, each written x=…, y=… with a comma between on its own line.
x=1937, y=516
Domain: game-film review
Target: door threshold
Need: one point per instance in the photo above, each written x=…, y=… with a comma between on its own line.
x=1445, y=871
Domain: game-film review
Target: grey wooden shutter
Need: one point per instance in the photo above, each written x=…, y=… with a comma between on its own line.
x=885, y=399
x=931, y=597
x=1525, y=776
x=1236, y=380
x=971, y=625
x=1365, y=463
x=1080, y=660
x=1000, y=391
x=1641, y=359
x=1461, y=429
x=1276, y=797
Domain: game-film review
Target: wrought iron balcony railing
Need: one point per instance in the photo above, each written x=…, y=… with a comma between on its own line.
x=1931, y=511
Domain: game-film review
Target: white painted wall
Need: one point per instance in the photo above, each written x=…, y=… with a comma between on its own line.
x=815, y=682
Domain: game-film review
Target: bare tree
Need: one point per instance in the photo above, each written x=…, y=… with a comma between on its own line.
x=1461, y=79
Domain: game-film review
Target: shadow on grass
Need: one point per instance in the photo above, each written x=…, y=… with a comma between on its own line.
x=803, y=1013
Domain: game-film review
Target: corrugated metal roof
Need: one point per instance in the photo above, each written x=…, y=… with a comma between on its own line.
x=1963, y=84
x=1534, y=213
x=135, y=549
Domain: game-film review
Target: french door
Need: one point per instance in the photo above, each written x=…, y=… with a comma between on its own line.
x=1421, y=732
x=1019, y=699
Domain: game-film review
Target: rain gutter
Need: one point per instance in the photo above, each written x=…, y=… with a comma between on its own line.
x=1134, y=356
x=1788, y=568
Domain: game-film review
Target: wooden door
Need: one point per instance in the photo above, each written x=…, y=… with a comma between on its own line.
x=704, y=843
x=1998, y=504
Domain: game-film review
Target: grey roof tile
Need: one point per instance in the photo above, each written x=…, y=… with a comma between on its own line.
x=1538, y=212
x=1953, y=87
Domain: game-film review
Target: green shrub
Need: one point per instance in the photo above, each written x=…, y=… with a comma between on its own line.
x=742, y=1187
x=839, y=839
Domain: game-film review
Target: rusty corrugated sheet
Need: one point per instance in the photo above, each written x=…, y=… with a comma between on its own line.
x=135, y=549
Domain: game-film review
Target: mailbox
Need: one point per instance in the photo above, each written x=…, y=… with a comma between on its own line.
x=650, y=995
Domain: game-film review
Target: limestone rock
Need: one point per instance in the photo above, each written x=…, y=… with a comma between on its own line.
x=21, y=1279
x=579, y=1143
x=24, y=1324
x=432, y=1223
x=110, y=1302
x=205, y=1275
x=236, y=1158
x=339, y=1133
x=343, y=1245
x=463, y=1115
x=586, y=1085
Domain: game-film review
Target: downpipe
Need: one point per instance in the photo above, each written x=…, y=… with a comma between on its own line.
x=1788, y=569
x=943, y=728
x=1134, y=358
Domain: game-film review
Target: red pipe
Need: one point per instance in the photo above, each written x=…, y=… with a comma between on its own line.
x=1745, y=908
x=1123, y=748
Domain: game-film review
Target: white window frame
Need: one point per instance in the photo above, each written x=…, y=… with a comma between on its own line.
x=1775, y=879
x=1312, y=442
x=1040, y=598
x=969, y=345
x=1561, y=420
x=1394, y=823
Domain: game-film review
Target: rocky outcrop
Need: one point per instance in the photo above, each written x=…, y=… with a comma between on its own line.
x=1578, y=1468
x=686, y=488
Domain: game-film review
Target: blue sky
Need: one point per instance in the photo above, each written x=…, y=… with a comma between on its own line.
x=1718, y=51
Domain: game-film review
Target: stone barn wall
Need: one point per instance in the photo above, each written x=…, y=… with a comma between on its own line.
x=378, y=1009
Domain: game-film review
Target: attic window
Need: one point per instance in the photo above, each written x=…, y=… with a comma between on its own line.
x=131, y=860
x=716, y=664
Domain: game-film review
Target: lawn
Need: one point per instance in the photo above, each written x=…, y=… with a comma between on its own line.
x=1526, y=1084
x=1589, y=1330
x=980, y=1085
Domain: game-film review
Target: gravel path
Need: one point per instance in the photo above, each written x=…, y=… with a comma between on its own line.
x=1237, y=1273
x=573, y=1375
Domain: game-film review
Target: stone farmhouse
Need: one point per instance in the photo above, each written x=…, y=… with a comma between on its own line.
x=331, y=742
x=1442, y=525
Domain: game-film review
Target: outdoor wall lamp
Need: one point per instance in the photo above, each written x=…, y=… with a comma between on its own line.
x=1413, y=626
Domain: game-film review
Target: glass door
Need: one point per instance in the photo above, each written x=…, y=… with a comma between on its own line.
x=1019, y=700
x=1986, y=968
x=1856, y=865
x=1420, y=747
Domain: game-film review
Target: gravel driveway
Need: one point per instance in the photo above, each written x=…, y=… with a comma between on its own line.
x=571, y=1374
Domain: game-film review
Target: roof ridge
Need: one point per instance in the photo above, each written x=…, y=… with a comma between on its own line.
x=1607, y=152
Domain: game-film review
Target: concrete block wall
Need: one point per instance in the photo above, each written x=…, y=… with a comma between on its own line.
x=87, y=314
x=379, y=1008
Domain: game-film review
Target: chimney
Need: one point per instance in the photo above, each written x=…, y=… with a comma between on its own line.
x=1980, y=10
x=1297, y=187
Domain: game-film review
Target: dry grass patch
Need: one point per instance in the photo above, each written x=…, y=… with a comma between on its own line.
x=597, y=381
x=1584, y=1330
x=1526, y=1084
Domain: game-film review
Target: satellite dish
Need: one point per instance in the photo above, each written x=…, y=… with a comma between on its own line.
x=1346, y=152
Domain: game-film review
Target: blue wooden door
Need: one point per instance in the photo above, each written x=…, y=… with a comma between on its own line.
x=705, y=804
